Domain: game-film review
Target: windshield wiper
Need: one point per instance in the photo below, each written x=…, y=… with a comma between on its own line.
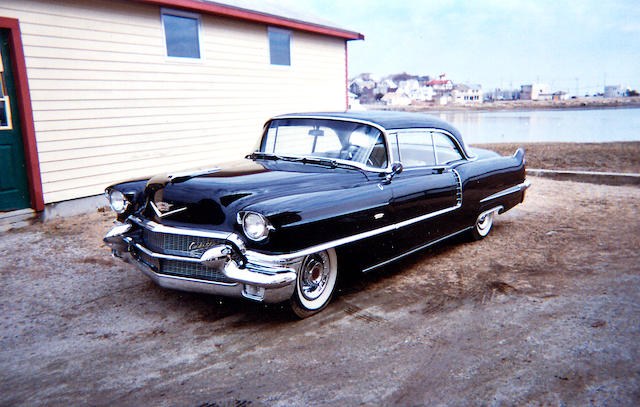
x=264, y=156
x=327, y=162
x=304, y=160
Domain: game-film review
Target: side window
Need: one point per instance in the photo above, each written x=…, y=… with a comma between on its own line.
x=446, y=149
x=279, y=46
x=416, y=149
x=181, y=33
x=378, y=156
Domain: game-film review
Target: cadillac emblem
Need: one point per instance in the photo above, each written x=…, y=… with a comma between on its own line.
x=163, y=206
x=163, y=209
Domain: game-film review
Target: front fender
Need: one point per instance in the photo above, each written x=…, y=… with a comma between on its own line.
x=310, y=219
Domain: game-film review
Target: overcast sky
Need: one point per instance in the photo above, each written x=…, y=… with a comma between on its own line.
x=495, y=43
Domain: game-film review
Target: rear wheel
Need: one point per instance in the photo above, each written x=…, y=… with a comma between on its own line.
x=483, y=226
x=316, y=283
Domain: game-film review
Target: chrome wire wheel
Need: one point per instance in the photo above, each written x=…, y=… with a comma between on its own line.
x=314, y=275
x=316, y=282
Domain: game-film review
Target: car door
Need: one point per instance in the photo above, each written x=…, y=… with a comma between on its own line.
x=425, y=195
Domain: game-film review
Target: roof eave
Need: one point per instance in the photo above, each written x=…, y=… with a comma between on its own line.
x=254, y=16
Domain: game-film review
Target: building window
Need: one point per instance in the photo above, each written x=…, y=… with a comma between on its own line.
x=279, y=46
x=181, y=33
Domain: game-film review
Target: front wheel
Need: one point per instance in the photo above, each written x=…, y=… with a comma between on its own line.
x=482, y=226
x=316, y=283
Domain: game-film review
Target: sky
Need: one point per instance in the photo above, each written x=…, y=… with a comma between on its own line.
x=569, y=45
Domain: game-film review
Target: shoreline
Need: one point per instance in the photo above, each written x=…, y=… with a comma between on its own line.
x=520, y=105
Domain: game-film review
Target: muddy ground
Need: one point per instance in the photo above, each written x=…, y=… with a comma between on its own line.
x=545, y=311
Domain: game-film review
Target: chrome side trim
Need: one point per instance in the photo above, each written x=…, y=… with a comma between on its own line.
x=517, y=188
x=360, y=236
x=415, y=250
x=281, y=258
x=459, y=188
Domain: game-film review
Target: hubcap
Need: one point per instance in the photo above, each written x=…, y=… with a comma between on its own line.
x=314, y=275
x=484, y=223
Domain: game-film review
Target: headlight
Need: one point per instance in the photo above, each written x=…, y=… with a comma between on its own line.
x=117, y=200
x=255, y=226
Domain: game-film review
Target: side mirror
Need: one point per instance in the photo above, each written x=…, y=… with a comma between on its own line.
x=396, y=168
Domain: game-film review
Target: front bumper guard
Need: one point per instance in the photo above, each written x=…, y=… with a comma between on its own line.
x=273, y=277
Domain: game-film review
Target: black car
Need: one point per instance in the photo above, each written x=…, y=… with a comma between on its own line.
x=322, y=193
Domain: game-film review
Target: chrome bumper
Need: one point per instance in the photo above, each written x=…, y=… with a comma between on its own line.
x=258, y=277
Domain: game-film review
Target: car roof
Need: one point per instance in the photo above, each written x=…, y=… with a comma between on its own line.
x=389, y=120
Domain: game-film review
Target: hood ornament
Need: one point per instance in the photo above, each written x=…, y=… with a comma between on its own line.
x=162, y=209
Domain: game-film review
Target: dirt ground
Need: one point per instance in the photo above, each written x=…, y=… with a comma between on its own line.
x=545, y=311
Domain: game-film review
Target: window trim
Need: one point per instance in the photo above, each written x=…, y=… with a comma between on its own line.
x=397, y=157
x=179, y=13
x=454, y=144
x=280, y=31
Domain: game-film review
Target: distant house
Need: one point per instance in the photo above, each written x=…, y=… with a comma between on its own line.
x=441, y=84
x=560, y=95
x=502, y=94
x=385, y=86
x=396, y=99
x=614, y=91
x=467, y=94
x=536, y=91
x=354, y=102
x=105, y=90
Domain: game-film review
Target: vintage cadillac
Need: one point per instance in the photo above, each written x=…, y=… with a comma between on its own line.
x=322, y=193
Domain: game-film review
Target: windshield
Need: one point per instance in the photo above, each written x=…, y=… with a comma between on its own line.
x=332, y=139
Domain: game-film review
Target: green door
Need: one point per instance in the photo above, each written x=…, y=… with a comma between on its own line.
x=14, y=186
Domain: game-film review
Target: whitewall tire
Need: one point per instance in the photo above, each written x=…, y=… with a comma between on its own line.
x=316, y=283
x=482, y=226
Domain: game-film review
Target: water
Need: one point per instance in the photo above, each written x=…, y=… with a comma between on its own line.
x=579, y=126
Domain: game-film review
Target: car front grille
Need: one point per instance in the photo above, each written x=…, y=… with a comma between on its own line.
x=178, y=245
x=179, y=268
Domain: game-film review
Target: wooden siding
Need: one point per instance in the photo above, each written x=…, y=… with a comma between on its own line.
x=109, y=105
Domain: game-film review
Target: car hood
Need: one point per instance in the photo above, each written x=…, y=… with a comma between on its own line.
x=213, y=197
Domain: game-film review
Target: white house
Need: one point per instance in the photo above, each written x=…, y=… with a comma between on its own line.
x=467, y=94
x=106, y=90
x=613, y=91
x=536, y=91
x=396, y=99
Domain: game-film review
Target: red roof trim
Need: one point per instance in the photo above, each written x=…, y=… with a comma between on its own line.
x=438, y=82
x=26, y=113
x=228, y=11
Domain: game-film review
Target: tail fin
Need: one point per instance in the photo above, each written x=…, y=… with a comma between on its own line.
x=519, y=154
